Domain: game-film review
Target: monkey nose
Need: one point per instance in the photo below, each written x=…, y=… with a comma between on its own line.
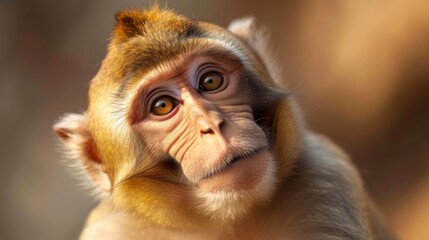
x=211, y=124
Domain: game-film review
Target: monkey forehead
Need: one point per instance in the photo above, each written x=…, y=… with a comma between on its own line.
x=142, y=54
x=183, y=67
x=159, y=31
x=144, y=40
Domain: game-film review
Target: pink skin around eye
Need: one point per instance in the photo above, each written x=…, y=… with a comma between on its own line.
x=184, y=78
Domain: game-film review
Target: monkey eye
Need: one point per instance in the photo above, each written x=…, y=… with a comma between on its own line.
x=210, y=81
x=163, y=105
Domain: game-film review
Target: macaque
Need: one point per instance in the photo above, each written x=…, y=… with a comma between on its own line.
x=188, y=135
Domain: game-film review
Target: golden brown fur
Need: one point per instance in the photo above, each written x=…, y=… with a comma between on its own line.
x=310, y=189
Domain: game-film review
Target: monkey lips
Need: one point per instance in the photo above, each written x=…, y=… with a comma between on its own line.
x=241, y=173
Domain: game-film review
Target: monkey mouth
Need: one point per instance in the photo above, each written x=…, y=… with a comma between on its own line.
x=242, y=156
x=232, y=160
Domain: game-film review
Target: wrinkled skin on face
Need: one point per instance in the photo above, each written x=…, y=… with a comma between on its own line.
x=211, y=134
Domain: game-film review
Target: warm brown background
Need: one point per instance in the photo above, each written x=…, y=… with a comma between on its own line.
x=360, y=68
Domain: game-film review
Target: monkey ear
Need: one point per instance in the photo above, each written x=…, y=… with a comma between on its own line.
x=243, y=28
x=79, y=144
x=257, y=37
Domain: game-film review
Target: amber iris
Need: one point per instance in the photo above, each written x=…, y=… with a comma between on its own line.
x=210, y=81
x=163, y=105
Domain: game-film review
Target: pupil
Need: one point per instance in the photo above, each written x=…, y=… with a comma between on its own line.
x=163, y=105
x=210, y=80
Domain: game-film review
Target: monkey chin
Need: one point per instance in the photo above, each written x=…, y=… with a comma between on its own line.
x=231, y=193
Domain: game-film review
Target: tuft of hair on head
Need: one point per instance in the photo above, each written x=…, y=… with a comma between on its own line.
x=131, y=23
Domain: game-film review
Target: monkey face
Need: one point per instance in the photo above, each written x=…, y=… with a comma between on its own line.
x=172, y=90
x=199, y=114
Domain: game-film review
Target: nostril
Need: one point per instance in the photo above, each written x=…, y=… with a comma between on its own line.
x=207, y=131
x=221, y=123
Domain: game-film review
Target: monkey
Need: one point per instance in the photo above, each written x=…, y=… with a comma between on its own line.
x=188, y=135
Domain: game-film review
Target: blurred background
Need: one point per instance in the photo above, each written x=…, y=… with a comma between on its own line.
x=359, y=67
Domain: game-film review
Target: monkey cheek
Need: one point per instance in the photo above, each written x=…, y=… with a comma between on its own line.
x=243, y=175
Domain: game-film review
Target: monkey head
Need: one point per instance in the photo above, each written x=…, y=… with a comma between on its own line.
x=180, y=120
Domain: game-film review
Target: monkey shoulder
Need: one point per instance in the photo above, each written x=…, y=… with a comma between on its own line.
x=106, y=222
x=323, y=159
x=324, y=192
